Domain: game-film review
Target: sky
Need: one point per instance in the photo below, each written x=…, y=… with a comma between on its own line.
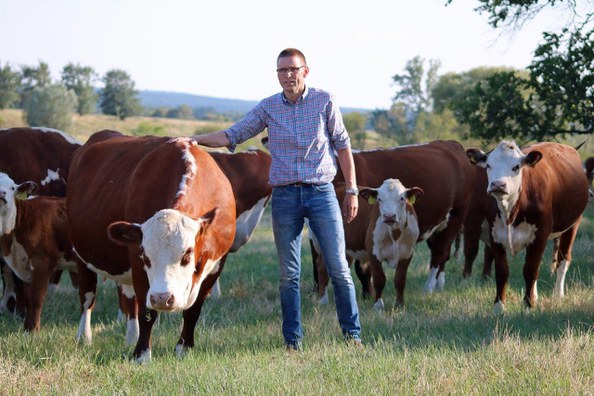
x=228, y=48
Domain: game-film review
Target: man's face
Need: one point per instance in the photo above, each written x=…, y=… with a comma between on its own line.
x=291, y=72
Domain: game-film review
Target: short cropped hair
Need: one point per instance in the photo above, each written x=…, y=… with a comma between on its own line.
x=288, y=52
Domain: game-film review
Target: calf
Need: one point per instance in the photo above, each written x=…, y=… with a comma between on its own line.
x=539, y=193
x=34, y=241
x=41, y=155
x=156, y=215
x=385, y=229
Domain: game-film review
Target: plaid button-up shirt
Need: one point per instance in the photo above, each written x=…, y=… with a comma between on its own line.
x=302, y=136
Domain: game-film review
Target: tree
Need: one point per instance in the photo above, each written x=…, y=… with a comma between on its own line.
x=33, y=77
x=79, y=79
x=557, y=97
x=415, y=84
x=10, y=82
x=118, y=97
x=51, y=106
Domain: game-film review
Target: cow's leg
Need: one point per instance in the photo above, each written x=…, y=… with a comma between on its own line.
x=556, y=254
x=36, y=291
x=534, y=254
x=129, y=307
x=487, y=262
x=501, y=275
x=472, y=235
x=566, y=241
x=8, y=304
x=379, y=281
x=440, y=245
x=191, y=315
x=400, y=280
x=364, y=274
x=55, y=280
x=146, y=316
x=322, y=280
x=87, y=292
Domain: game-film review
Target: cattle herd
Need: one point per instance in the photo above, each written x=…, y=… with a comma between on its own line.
x=159, y=216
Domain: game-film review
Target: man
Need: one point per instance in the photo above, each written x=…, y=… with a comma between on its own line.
x=305, y=127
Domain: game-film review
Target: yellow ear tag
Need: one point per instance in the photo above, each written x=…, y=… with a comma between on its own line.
x=21, y=195
x=371, y=200
x=412, y=199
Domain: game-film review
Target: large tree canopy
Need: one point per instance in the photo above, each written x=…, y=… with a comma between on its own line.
x=558, y=95
x=118, y=97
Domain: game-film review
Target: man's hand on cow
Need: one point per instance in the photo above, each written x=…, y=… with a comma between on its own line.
x=350, y=205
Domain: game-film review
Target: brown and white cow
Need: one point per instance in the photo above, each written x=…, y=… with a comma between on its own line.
x=248, y=174
x=41, y=155
x=386, y=229
x=34, y=241
x=539, y=193
x=155, y=216
x=441, y=169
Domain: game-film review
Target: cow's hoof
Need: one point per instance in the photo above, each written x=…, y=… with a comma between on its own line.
x=499, y=308
x=144, y=357
x=378, y=306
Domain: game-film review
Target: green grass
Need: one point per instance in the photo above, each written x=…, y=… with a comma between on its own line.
x=449, y=342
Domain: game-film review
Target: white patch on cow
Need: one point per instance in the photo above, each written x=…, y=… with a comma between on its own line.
x=123, y=278
x=51, y=176
x=145, y=357
x=431, y=280
x=84, y=327
x=324, y=300
x=167, y=236
x=128, y=290
x=9, y=291
x=246, y=224
x=499, y=308
x=191, y=168
x=379, y=305
x=181, y=351
x=66, y=137
x=437, y=228
x=440, y=281
x=64, y=264
x=535, y=291
x=18, y=260
x=132, y=331
x=513, y=238
x=559, y=290
x=360, y=255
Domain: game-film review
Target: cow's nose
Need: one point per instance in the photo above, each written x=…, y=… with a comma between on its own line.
x=389, y=218
x=162, y=301
x=3, y=196
x=497, y=186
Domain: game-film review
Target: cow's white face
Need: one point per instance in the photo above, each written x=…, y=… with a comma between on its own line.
x=392, y=198
x=8, y=193
x=168, y=240
x=504, y=167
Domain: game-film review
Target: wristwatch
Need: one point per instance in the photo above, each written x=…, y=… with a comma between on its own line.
x=353, y=191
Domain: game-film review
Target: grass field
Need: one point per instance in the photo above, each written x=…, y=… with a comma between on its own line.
x=445, y=343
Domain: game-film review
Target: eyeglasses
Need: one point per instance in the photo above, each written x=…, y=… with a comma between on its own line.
x=285, y=70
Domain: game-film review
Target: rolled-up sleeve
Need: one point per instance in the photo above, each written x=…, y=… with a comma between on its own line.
x=252, y=124
x=338, y=134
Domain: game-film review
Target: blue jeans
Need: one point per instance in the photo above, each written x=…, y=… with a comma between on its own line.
x=290, y=205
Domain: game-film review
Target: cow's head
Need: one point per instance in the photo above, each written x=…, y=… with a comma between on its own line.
x=504, y=167
x=392, y=198
x=9, y=192
x=167, y=243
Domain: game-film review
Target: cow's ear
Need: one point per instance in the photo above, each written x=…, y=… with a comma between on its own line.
x=477, y=157
x=124, y=233
x=532, y=158
x=369, y=194
x=414, y=193
x=25, y=189
x=206, y=219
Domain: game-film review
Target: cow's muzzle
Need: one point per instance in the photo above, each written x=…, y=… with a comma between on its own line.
x=162, y=301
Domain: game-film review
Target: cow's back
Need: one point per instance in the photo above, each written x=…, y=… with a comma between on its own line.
x=122, y=178
x=30, y=154
x=440, y=168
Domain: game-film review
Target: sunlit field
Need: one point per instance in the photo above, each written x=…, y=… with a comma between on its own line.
x=447, y=342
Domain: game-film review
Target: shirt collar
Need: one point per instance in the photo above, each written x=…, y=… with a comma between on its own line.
x=301, y=99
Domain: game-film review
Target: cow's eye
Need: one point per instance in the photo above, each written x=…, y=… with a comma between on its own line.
x=185, y=260
x=516, y=168
x=488, y=166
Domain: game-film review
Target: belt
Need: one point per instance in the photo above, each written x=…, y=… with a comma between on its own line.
x=299, y=184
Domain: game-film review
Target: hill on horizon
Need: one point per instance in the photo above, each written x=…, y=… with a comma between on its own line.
x=156, y=99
